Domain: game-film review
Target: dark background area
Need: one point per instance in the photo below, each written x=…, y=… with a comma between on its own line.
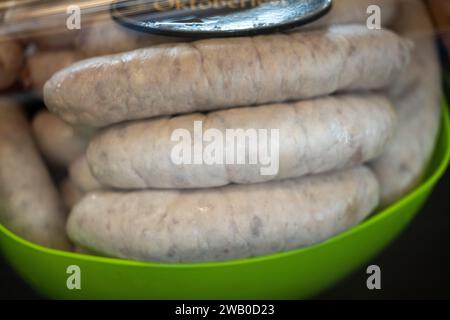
x=417, y=264
x=414, y=266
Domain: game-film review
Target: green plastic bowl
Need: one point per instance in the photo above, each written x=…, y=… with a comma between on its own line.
x=295, y=274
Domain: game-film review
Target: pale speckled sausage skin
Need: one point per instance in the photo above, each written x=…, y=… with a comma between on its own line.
x=315, y=136
x=104, y=36
x=417, y=97
x=222, y=73
x=29, y=202
x=231, y=222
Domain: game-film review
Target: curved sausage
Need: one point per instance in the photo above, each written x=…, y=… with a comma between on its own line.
x=417, y=97
x=232, y=222
x=30, y=204
x=222, y=73
x=302, y=138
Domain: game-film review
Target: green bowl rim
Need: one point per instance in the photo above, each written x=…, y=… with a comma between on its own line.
x=427, y=184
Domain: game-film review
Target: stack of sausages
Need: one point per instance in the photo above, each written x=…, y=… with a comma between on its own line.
x=357, y=112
